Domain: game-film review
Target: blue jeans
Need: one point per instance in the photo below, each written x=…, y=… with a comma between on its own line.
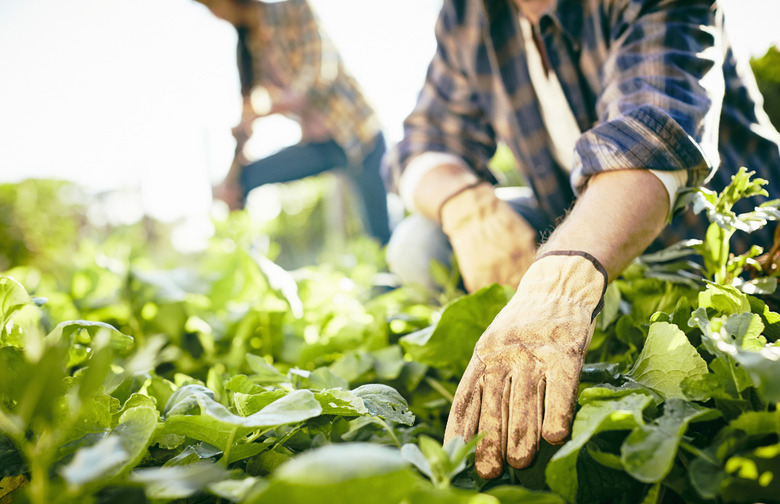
x=417, y=240
x=312, y=158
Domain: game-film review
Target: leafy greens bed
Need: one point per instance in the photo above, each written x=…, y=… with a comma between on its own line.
x=126, y=376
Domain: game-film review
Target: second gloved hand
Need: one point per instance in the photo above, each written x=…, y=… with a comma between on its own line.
x=521, y=383
x=492, y=243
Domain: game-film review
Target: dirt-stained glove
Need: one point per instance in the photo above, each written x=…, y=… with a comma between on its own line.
x=492, y=243
x=523, y=378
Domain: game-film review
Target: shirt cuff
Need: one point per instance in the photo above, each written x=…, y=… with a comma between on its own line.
x=416, y=169
x=672, y=181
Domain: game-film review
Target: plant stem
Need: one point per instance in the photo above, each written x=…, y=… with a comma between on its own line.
x=389, y=430
x=226, y=454
x=435, y=385
x=698, y=452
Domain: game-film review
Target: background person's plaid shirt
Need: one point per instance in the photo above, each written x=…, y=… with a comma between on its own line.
x=652, y=84
x=300, y=57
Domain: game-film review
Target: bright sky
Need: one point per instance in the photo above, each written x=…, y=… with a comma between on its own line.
x=140, y=95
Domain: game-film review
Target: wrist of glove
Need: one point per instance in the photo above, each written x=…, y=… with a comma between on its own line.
x=492, y=243
x=521, y=383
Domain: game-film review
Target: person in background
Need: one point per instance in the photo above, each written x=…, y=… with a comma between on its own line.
x=287, y=65
x=611, y=109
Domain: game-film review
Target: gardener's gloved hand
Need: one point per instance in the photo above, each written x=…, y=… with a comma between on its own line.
x=523, y=378
x=492, y=243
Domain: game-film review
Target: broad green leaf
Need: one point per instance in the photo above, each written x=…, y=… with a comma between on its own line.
x=649, y=451
x=13, y=297
x=770, y=319
x=412, y=454
x=737, y=368
x=762, y=286
x=724, y=299
x=249, y=404
x=11, y=461
x=706, y=477
x=265, y=373
x=605, y=391
x=348, y=472
x=745, y=331
x=764, y=369
x=43, y=385
x=519, y=495
x=118, y=452
x=242, y=383
x=235, y=490
x=450, y=344
x=596, y=416
x=333, y=402
x=388, y=362
x=216, y=425
x=283, y=282
x=178, y=482
x=323, y=378
x=341, y=402
x=653, y=495
x=193, y=453
x=9, y=485
x=703, y=388
x=666, y=359
x=449, y=495
x=14, y=372
x=439, y=463
x=81, y=335
x=297, y=406
x=611, y=308
x=352, y=365
x=385, y=402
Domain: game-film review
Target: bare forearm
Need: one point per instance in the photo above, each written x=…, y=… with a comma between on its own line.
x=616, y=218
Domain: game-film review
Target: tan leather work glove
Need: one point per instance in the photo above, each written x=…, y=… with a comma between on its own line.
x=492, y=243
x=523, y=378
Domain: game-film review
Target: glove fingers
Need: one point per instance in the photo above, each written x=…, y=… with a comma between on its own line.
x=562, y=385
x=525, y=417
x=491, y=450
x=464, y=413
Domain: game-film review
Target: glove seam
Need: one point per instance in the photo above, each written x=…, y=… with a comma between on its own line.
x=596, y=263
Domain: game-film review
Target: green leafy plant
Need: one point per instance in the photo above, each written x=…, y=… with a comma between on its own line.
x=134, y=373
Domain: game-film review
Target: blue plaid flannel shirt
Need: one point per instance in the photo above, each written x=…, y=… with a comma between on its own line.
x=653, y=84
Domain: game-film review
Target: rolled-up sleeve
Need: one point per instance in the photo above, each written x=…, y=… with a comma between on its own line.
x=660, y=104
x=447, y=117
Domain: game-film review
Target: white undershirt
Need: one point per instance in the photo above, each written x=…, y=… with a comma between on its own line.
x=558, y=118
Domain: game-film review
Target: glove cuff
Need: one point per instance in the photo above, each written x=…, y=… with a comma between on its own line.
x=591, y=276
x=454, y=195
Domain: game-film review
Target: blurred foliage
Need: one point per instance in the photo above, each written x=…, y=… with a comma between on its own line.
x=767, y=72
x=504, y=166
x=39, y=221
x=304, y=219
